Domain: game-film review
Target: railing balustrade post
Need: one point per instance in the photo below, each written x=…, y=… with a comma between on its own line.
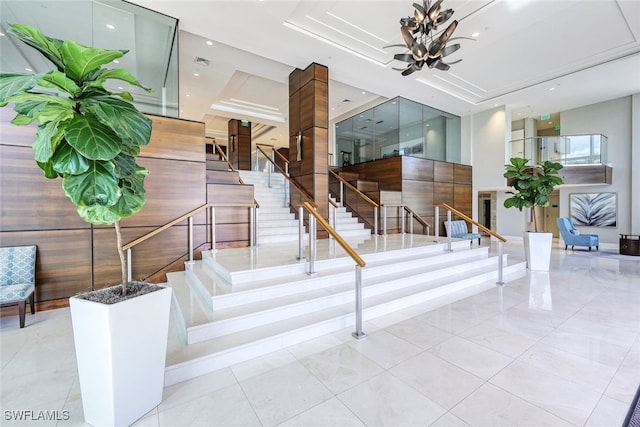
x=300, y=233
x=213, y=230
x=410, y=222
x=312, y=244
x=436, y=225
x=191, y=240
x=342, y=194
x=270, y=167
x=375, y=220
x=449, y=231
x=334, y=225
x=252, y=219
x=402, y=218
x=384, y=220
x=256, y=222
x=500, y=266
x=358, y=334
x=129, y=267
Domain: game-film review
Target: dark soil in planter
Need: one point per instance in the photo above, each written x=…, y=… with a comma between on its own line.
x=113, y=294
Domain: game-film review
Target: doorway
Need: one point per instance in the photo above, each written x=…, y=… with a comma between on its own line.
x=487, y=209
x=551, y=214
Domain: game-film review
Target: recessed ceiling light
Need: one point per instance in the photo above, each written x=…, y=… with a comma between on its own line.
x=364, y=93
x=209, y=43
x=519, y=114
x=116, y=61
x=188, y=94
x=196, y=74
x=28, y=69
x=111, y=26
x=474, y=35
x=552, y=88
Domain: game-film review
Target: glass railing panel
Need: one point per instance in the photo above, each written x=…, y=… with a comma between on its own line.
x=567, y=150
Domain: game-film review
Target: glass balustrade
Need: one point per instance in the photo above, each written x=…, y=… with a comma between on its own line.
x=564, y=149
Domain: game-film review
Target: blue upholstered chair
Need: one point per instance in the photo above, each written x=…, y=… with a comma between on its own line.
x=459, y=230
x=573, y=237
x=18, y=277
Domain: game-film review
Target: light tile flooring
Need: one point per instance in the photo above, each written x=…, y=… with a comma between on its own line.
x=549, y=349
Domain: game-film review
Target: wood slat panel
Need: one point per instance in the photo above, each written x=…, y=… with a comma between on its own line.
x=222, y=177
x=388, y=172
x=29, y=200
x=418, y=195
x=417, y=169
x=586, y=174
x=147, y=258
x=176, y=139
x=443, y=193
x=63, y=260
x=462, y=198
x=230, y=193
x=307, y=105
x=462, y=174
x=442, y=172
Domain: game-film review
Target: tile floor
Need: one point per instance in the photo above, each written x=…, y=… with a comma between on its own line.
x=549, y=349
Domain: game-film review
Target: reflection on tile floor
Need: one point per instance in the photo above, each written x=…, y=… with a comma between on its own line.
x=548, y=349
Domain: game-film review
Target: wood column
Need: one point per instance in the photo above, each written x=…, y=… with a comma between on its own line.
x=239, y=145
x=309, y=118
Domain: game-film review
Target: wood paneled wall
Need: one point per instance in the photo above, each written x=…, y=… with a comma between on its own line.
x=74, y=256
x=309, y=114
x=422, y=182
x=239, y=144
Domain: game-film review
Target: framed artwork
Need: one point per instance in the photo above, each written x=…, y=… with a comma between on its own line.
x=594, y=209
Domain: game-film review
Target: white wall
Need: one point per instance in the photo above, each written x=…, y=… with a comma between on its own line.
x=635, y=160
x=613, y=119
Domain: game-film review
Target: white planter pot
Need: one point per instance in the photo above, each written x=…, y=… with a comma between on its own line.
x=537, y=249
x=121, y=350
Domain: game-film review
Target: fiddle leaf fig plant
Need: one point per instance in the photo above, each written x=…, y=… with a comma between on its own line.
x=87, y=135
x=532, y=184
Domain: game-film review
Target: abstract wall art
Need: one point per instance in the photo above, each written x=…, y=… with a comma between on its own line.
x=594, y=209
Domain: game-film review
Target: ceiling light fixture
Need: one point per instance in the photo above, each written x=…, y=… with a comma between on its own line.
x=424, y=47
x=111, y=26
x=209, y=43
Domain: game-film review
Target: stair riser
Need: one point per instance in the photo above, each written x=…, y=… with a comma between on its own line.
x=209, y=331
x=210, y=363
x=318, y=282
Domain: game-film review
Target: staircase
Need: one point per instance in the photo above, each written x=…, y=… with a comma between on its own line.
x=276, y=222
x=240, y=303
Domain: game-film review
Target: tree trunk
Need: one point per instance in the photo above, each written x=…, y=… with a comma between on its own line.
x=123, y=261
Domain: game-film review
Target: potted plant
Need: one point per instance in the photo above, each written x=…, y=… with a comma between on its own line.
x=533, y=184
x=90, y=137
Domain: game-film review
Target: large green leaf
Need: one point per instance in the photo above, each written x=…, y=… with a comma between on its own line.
x=47, y=138
x=11, y=84
x=47, y=168
x=67, y=161
x=80, y=60
x=91, y=138
x=97, y=186
x=29, y=97
x=54, y=112
x=132, y=197
x=122, y=117
x=100, y=76
x=59, y=80
x=98, y=214
x=48, y=46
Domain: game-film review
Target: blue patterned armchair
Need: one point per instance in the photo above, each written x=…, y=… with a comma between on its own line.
x=573, y=237
x=459, y=230
x=18, y=278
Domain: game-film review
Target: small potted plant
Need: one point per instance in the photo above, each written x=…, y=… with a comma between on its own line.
x=90, y=137
x=532, y=186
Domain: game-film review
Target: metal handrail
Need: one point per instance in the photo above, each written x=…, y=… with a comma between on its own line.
x=418, y=218
x=450, y=209
x=314, y=217
x=364, y=197
x=303, y=193
x=189, y=216
x=411, y=213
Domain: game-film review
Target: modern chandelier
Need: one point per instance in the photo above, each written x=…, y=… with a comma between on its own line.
x=418, y=35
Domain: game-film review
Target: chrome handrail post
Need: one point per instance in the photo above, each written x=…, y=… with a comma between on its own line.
x=342, y=194
x=436, y=225
x=500, y=266
x=384, y=220
x=270, y=168
x=300, y=233
x=358, y=334
x=449, y=232
x=410, y=222
x=252, y=230
x=213, y=230
x=402, y=218
x=129, y=268
x=375, y=220
x=312, y=244
x=190, y=239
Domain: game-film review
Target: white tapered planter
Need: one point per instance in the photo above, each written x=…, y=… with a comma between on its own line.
x=537, y=249
x=121, y=350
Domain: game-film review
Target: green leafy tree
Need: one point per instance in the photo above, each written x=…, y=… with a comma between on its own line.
x=532, y=184
x=90, y=137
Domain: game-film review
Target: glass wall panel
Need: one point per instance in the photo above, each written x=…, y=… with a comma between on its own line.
x=150, y=37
